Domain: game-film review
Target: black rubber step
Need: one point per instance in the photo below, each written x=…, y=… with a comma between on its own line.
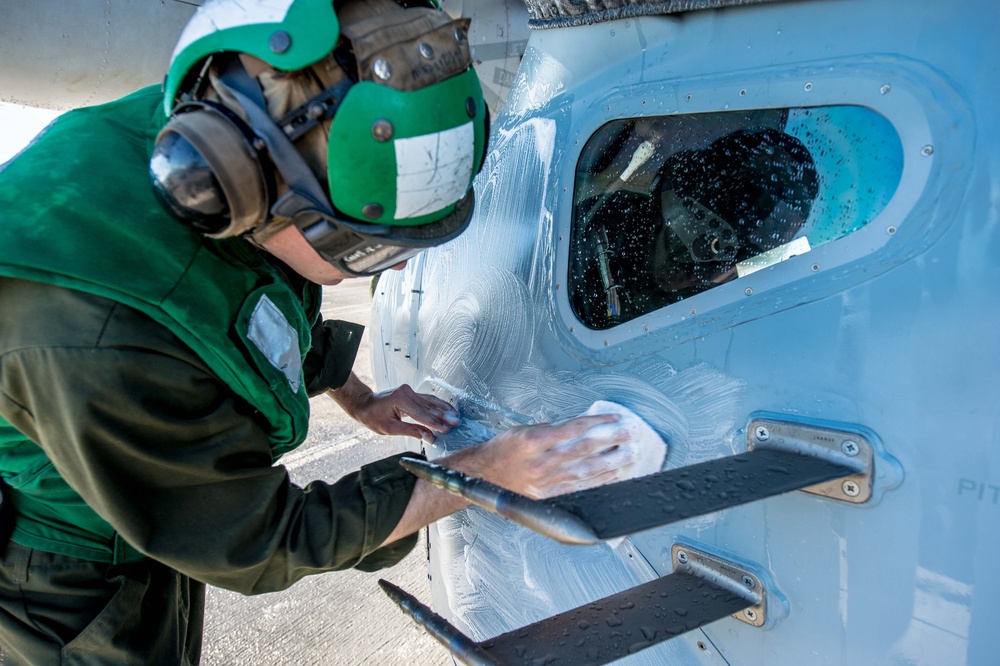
x=627, y=507
x=596, y=633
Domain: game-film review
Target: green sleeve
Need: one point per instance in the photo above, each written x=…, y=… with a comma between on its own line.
x=330, y=359
x=163, y=451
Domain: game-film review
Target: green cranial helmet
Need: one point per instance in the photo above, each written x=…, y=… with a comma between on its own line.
x=401, y=128
x=287, y=34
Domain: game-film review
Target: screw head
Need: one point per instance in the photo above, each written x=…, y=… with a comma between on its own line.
x=885, y=89
x=682, y=557
x=470, y=107
x=850, y=447
x=850, y=488
x=279, y=41
x=372, y=211
x=426, y=52
x=460, y=35
x=382, y=69
x=762, y=434
x=382, y=130
x=750, y=614
x=748, y=581
x=927, y=151
x=316, y=110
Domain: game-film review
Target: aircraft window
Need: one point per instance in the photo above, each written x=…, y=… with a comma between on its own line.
x=667, y=207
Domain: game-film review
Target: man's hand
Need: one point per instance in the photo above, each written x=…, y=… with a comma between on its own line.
x=384, y=412
x=545, y=460
x=536, y=460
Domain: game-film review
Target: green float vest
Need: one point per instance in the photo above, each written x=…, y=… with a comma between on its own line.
x=77, y=210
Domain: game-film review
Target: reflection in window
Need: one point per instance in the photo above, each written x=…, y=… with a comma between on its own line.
x=667, y=207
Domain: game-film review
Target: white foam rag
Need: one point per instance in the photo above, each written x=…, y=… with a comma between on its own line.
x=642, y=454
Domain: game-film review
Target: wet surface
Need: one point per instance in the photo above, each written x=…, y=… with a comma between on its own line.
x=619, y=625
x=631, y=506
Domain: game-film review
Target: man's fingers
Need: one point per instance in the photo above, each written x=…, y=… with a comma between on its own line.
x=426, y=409
x=573, y=486
x=581, y=469
x=577, y=426
x=534, y=459
x=598, y=439
x=541, y=438
x=448, y=413
x=432, y=418
x=590, y=459
x=405, y=429
x=599, y=463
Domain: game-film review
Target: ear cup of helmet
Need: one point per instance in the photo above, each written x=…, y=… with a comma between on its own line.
x=207, y=172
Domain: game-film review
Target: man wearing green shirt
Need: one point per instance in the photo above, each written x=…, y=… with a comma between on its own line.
x=159, y=340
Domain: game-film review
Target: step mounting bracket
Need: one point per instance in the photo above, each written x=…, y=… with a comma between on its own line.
x=846, y=447
x=725, y=575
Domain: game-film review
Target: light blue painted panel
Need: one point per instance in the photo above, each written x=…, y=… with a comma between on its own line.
x=894, y=328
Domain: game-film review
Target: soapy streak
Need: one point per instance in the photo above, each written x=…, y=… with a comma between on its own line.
x=468, y=398
x=479, y=345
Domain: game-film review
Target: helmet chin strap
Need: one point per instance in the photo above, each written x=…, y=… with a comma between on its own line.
x=305, y=203
x=304, y=194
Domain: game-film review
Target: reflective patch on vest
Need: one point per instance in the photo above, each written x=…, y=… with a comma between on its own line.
x=276, y=340
x=433, y=170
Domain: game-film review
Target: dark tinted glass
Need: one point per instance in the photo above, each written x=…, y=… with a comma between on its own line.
x=668, y=207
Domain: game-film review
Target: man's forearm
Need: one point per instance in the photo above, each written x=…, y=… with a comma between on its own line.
x=351, y=395
x=427, y=504
x=529, y=460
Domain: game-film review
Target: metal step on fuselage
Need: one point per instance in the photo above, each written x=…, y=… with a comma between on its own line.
x=836, y=461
